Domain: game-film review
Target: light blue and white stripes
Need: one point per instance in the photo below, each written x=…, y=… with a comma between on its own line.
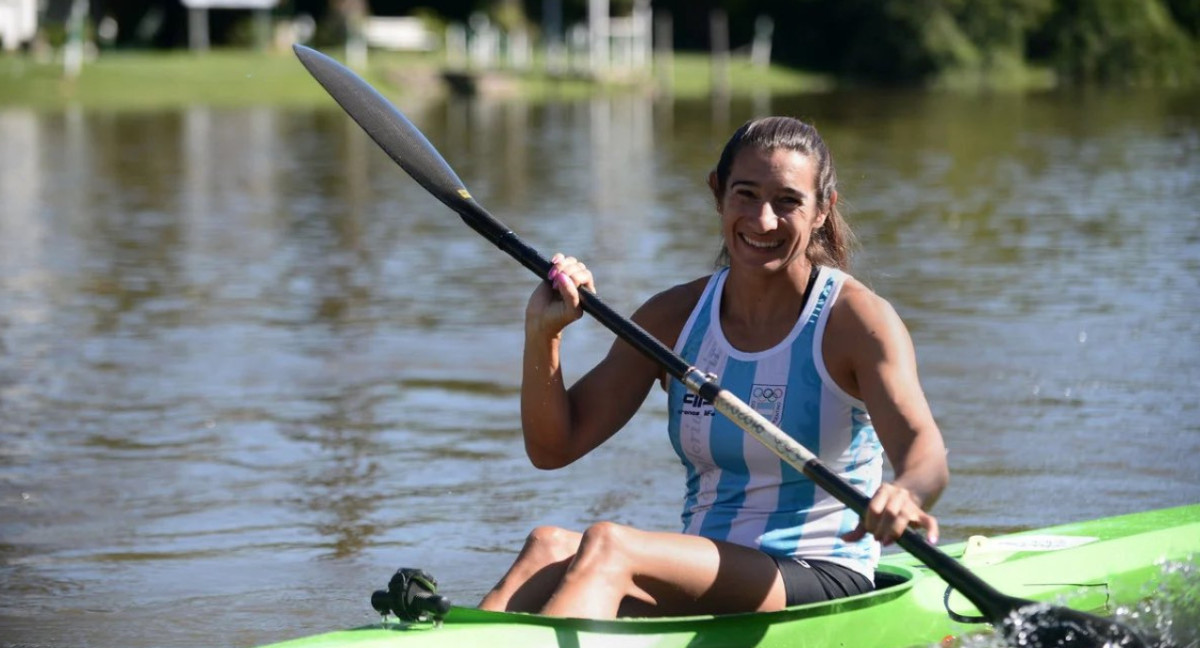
x=739, y=491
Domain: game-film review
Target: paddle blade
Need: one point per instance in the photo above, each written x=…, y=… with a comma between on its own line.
x=1044, y=626
x=390, y=129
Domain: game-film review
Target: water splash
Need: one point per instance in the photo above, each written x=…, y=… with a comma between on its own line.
x=1171, y=607
x=1167, y=611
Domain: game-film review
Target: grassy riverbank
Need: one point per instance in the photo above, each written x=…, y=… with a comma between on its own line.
x=154, y=80
x=144, y=80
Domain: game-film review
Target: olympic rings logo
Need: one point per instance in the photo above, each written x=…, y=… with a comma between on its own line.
x=768, y=394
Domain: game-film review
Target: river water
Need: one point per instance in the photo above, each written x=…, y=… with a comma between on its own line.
x=248, y=368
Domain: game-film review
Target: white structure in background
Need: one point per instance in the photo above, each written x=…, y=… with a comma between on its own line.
x=400, y=33
x=77, y=43
x=623, y=43
x=598, y=19
x=630, y=43
x=483, y=44
x=599, y=46
x=198, y=18
x=760, y=50
x=18, y=22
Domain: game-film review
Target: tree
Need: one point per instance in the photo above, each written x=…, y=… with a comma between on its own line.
x=1122, y=41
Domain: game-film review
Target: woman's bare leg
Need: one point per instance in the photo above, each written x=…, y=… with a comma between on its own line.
x=621, y=569
x=536, y=573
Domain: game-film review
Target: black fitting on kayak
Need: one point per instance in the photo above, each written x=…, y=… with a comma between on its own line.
x=955, y=616
x=411, y=596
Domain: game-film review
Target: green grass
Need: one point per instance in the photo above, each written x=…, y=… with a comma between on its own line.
x=686, y=75
x=693, y=76
x=144, y=80
x=149, y=80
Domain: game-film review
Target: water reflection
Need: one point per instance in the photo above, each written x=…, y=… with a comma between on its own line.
x=246, y=363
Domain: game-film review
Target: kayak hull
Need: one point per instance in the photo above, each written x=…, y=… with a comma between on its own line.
x=1095, y=566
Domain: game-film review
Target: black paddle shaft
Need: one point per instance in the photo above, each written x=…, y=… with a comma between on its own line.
x=408, y=147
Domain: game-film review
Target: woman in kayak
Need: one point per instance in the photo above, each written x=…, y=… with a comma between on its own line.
x=791, y=334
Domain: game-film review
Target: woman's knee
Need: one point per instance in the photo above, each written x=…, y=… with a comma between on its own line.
x=551, y=543
x=607, y=540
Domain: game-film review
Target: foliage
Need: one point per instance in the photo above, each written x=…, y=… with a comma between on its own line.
x=1122, y=41
x=922, y=41
x=908, y=41
x=1000, y=28
x=1187, y=14
x=509, y=15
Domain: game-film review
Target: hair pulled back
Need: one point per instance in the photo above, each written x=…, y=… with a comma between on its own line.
x=831, y=244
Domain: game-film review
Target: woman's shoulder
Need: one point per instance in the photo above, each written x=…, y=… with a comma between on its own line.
x=679, y=299
x=854, y=291
x=860, y=309
x=664, y=314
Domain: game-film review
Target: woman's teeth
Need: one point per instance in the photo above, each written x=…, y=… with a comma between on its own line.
x=761, y=245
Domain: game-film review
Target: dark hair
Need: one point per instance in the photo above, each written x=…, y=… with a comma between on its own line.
x=831, y=244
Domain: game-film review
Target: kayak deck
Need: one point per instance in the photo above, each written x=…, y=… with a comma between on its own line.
x=1093, y=566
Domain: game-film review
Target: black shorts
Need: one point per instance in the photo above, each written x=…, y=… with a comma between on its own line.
x=809, y=581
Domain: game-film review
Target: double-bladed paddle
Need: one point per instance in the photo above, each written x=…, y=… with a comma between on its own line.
x=1022, y=622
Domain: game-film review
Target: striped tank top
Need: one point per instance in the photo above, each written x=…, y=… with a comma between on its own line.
x=737, y=490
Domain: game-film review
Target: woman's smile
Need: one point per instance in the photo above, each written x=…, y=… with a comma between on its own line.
x=759, y=244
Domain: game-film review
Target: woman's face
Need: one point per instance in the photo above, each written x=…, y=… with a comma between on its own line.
x=769, y=208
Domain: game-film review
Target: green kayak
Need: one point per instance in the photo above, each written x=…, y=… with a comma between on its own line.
x=1095, y=566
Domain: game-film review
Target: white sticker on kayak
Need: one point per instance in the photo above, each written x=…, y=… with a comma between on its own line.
x=1039, y=542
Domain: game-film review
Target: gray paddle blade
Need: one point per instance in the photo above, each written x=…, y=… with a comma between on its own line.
x=390, y=129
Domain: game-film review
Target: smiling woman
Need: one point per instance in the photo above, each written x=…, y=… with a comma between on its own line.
x=832, y=239
x=781, y=318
